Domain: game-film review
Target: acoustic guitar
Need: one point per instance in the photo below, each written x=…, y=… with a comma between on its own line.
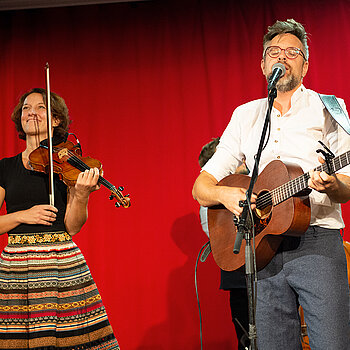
x=282, y=209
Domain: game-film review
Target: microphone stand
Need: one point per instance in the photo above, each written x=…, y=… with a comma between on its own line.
x=245, y=228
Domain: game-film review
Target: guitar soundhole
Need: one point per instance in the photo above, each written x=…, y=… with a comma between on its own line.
x=263, y=211
x=260, y=224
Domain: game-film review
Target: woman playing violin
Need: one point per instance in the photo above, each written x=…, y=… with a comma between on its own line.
x=48, y=299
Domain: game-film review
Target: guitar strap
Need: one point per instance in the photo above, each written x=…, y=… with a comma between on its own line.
x=336, y=111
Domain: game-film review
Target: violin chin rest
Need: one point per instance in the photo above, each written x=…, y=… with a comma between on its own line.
x=56, y=140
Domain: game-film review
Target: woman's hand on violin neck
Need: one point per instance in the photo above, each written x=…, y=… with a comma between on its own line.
x=87, y=182
x=42, y=214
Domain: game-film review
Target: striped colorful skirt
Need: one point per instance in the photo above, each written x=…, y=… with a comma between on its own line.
x=48, y=299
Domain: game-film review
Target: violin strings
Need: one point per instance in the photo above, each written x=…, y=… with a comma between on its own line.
x=84, y=166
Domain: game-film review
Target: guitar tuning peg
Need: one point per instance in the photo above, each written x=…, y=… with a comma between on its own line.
x=117, y=204
x=121, y=188
x=111, y=197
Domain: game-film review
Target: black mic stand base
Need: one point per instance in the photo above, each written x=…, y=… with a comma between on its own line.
x=251, y=291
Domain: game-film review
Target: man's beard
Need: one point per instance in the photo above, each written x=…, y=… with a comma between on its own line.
x=288, y=84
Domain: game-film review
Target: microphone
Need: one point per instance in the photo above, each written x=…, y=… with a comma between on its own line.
x=278, y=71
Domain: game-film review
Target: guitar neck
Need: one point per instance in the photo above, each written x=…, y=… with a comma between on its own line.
x=300, y=183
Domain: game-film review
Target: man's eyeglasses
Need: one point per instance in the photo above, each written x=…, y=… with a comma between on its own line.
x=290, y=52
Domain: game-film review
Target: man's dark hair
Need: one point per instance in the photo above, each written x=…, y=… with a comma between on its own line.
x=289, y=26
x=207, y=151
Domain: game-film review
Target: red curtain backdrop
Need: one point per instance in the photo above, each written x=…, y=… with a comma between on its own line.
x=147, y=85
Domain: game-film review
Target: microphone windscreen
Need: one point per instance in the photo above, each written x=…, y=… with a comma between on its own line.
x=280, y=66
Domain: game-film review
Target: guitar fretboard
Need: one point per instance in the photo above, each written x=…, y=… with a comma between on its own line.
x=300, y=183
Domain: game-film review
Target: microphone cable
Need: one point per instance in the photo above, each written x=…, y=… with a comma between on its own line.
x=196, y=288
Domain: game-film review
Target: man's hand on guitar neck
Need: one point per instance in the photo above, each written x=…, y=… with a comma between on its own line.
x=207, y=193
x=336, y=186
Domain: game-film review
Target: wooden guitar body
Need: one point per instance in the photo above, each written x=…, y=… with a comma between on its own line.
x=290, y=217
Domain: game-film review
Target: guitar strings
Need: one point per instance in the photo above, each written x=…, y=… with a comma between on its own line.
x=279, y=194
x=283, y=192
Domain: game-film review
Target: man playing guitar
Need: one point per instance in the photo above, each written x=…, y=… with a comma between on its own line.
x=310, y=269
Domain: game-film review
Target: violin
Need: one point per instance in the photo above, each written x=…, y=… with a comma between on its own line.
x=68, y=163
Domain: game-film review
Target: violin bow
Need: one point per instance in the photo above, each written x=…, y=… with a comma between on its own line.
x=49, y=136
